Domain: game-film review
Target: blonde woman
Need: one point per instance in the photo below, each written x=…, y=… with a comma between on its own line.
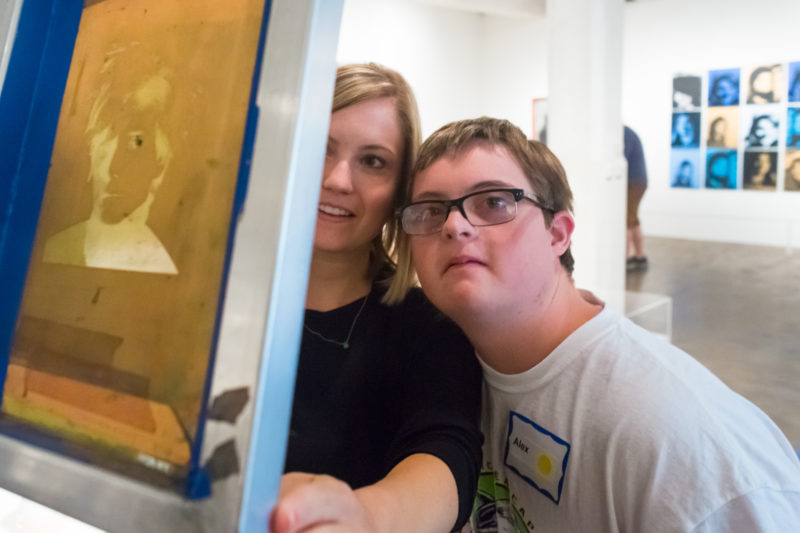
x=384, y=431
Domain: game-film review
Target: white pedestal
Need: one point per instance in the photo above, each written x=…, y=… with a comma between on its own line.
x=651, y=311
x=20, y=515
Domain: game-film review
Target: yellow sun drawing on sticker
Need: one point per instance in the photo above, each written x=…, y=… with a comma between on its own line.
x=545, y=464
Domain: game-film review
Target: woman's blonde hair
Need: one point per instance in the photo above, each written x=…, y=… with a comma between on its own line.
x=358, y=83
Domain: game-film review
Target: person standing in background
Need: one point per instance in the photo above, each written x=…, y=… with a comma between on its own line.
x=637, y=184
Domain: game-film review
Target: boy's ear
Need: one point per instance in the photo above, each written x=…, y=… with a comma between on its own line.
x=561, y=228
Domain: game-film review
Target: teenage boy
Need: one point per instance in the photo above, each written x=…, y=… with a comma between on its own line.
x=591, y=423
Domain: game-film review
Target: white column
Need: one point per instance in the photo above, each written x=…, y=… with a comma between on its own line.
x=585, y=132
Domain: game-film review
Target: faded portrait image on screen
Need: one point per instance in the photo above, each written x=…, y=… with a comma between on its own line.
x=115, y=333
x=723, y=87
x=129, y=154
x=685, y=169
x=720, y=169
x=686, y=91
x=760, y=171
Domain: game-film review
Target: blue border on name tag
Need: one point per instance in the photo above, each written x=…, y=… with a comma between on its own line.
x=555, y=498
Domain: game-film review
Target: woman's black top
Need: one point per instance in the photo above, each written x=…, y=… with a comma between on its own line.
x=408, y=383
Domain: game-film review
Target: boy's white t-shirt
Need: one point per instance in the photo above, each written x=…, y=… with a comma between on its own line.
x=617, y=430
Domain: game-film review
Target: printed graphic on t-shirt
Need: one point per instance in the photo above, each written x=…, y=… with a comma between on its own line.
x=494, y=510
x=536, y=455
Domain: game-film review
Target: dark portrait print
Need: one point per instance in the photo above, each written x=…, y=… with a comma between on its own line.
x=764, y=85
x=686, y=130
x=723, y=87
x=686, y=92
x=760, y=170
x=721, y=169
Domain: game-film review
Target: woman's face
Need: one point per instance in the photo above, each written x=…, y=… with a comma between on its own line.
x=726, y=91
x=129, y=153
x=361, y=173
x=763, y=163
x=685, y=129
x=719, y=129
x=685, y=171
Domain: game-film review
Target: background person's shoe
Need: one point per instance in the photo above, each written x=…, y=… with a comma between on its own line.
x=636, y=264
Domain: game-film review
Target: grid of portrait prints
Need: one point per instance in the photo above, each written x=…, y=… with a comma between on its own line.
x=737, y=128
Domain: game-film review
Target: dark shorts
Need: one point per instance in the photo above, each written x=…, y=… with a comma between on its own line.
x=635, y=193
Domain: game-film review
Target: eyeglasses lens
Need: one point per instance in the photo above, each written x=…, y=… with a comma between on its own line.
x=486, y=208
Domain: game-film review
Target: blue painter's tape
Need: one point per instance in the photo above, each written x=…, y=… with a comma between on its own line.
x=29, y=106
x=198, y=484
x=193, y=490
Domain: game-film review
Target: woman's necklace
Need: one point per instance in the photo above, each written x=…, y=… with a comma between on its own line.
x=346, y=343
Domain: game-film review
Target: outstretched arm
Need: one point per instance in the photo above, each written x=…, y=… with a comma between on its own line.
x=419, y=494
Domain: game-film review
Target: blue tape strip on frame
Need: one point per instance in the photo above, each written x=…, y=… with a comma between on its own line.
x=198, y=485
x=29, y=106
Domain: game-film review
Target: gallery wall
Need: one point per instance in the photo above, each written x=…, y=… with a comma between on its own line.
x=515, y=67
x=467, y=64
x=459, y=63
x=438, y=50
x=663, y=38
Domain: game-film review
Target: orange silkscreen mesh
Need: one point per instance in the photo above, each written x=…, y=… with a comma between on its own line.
x=114, y=335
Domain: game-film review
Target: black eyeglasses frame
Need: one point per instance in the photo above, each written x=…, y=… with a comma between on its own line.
x=518, y=194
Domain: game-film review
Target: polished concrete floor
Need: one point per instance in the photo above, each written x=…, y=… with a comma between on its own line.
x=736, y=308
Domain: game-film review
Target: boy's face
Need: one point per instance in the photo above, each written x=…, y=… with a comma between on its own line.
x=487, y=269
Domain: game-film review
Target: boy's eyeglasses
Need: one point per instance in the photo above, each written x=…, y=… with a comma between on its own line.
x=481, y=208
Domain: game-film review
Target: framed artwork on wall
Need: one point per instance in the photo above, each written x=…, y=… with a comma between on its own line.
x=750, y=124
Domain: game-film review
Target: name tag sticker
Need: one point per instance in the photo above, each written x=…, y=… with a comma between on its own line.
x=536, y=455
